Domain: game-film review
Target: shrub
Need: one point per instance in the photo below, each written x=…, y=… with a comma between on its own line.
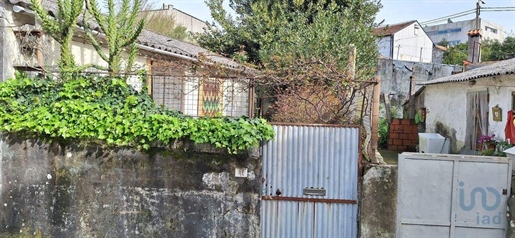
x=107, y=109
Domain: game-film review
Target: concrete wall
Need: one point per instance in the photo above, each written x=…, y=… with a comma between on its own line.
x=395, y=80
x=70, y=191
x=379, y=202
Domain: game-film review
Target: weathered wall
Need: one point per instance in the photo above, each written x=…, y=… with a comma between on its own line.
x=396, y=80
x=447, y=107
x=379, y=202
x=66, y=191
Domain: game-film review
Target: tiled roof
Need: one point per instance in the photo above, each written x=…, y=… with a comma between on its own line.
x=389, y=30
x=151, y=39
x=474, y=32
x=504, y=67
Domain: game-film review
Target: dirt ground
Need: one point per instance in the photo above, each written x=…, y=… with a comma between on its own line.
x=389, y=156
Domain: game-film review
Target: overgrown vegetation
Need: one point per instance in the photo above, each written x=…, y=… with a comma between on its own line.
x=108, y=110
x=383, y=133
x=305, y=51
x=61, y=28
x=121, y=28
x=164, y=24
x=491, y=50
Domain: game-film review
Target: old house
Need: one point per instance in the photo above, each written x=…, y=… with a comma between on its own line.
x=182, y=76
x=463, y=107
x=404, y=41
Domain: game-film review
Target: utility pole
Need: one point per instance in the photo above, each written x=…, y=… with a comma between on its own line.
x=478, y=12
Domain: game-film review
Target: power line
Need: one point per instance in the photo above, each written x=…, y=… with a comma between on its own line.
x=468, y=12
x=456, y=15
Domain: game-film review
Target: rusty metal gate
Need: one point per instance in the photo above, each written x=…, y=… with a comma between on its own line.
x=310, y=182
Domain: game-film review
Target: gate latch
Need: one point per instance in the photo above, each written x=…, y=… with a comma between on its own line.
x=314, y=191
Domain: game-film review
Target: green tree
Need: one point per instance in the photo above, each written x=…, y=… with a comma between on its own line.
x=121, y=28
x=303, y=54
x=61, y=28
x=164, y=24
x=502, y=51
x=491, y=50
x=258, y=20
x=454, y=54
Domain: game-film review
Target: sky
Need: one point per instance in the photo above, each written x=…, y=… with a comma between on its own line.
x=395, y=11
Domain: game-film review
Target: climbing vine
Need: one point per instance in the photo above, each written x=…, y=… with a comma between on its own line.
x=107, y=109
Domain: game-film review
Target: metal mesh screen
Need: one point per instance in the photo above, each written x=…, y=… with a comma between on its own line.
x=196, y=96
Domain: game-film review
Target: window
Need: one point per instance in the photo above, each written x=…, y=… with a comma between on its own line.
x=29, y=47
x=490, y=29
x=417, y=27
x=447, y=31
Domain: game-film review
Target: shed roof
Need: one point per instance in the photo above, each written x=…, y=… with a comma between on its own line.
x=504, y=67
x=389, y=30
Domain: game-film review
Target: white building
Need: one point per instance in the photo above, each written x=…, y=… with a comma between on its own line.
x=404, y=41
x=192, y=24
x=463, y=106
x=456, y=32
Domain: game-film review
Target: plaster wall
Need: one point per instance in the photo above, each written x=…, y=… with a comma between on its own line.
x=411, y=44
x=447, y=103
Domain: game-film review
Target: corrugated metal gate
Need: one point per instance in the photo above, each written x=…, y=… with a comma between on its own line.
x=310, y=182
x=452, y=196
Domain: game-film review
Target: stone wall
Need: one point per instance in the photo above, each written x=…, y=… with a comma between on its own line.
x=54, y=190
x=379, y=202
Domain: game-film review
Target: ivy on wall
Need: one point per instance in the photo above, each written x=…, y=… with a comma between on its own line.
x=107, y=109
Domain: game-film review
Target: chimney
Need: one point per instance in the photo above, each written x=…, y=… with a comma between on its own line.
x=474, y=47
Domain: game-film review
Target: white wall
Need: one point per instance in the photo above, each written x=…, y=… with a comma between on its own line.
x=447, y=103
x=384, y=45
x=412, y=44
x=449, y=31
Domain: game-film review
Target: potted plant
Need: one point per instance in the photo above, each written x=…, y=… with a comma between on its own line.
x=487, y=141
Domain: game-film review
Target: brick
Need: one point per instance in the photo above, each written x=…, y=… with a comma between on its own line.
x=405, y=122
x=394, y=135
x=401, y=148
x=413, y=137
x=398, y=128
x=392, y=147
x=403, y=136
x=396, y=122
x=397, y=142
x=390, y=141
x=407, y=142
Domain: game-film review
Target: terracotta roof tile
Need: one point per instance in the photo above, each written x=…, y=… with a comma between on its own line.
x=389, y=30
x=474, y=32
